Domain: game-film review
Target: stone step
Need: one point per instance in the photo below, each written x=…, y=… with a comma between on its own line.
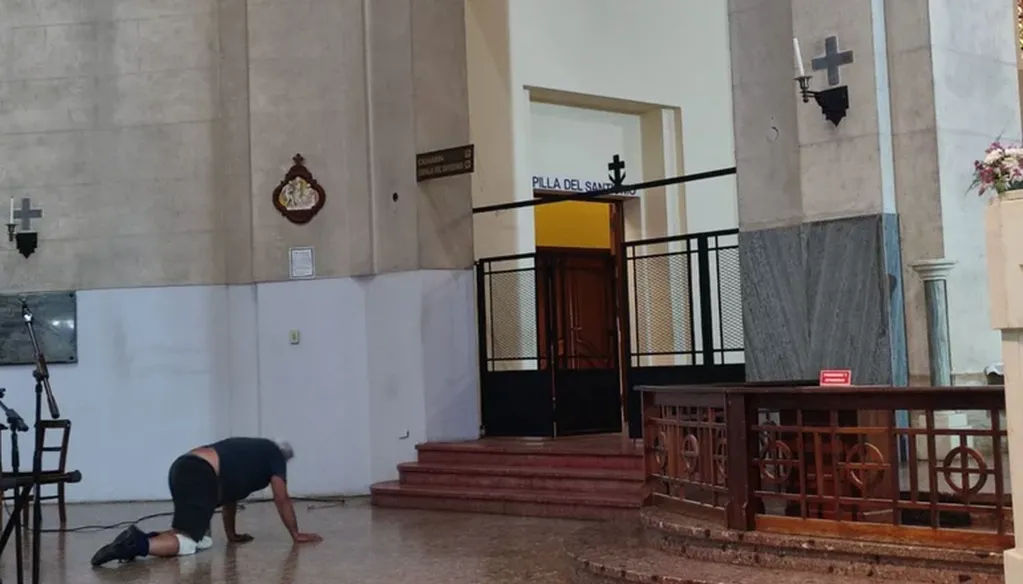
x=528, y=478
x=554, y=504
x=689, y=539
x=524, y=453
x=609, y=554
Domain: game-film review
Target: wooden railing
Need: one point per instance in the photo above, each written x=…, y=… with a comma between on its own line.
x=923, y=465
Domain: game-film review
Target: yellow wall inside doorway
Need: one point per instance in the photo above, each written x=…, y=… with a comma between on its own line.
x=573, y=224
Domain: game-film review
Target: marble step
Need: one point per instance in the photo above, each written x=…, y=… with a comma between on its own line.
x=524, y=503
x=609, y=554
x=482, y=453
x=529, y=478
x=693, y=539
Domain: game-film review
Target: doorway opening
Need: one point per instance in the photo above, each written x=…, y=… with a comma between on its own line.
x=578, y=246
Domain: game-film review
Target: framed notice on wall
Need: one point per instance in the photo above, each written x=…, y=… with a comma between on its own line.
x=302, y=263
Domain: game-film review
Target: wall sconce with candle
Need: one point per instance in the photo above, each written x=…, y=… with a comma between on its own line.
x=834, y=101
x=25, y=238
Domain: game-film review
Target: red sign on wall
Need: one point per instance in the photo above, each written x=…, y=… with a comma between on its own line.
x=836, y=377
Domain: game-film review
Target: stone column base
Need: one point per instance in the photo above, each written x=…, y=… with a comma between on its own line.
x=1013, y=561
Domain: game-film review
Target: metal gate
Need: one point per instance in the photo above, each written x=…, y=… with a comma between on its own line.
x=683, y=306
x=685, y=314
x=678, y=309
x=535, y=381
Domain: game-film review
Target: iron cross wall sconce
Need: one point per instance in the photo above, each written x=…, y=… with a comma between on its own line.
x=26, y=240
x=834, y=101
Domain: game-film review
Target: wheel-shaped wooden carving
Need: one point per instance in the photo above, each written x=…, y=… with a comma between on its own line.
x=661, y=452
x=689, y=456
x=964, y=454
x=861, y=462
x=721, y=460
x=771, y=455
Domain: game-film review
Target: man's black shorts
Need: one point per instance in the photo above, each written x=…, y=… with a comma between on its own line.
x=195, y=490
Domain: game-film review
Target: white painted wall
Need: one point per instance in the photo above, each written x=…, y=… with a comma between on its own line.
x=574, y=145
x=162, y=370
x=673, y=53
x=976, y=100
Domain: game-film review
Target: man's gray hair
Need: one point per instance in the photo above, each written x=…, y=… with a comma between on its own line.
x=286, y=448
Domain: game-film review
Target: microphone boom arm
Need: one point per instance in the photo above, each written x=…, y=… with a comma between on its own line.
x=42, y=372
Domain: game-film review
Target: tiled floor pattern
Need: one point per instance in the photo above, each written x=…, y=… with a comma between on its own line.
x=361, y=545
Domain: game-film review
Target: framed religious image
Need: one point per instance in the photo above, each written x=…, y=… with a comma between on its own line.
x=299, y=197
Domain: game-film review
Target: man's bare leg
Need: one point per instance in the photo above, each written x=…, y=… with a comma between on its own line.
x=172, y=543
x=133, y=543
x=164, y=545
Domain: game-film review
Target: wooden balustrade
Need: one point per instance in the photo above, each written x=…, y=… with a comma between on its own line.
x=924, y=465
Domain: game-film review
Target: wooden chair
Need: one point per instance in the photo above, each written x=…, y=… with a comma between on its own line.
x=64, y=426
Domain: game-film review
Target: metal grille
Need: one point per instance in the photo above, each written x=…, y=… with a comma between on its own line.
x=662, y=304
x=685, y=300
x=511, y=317
x=730, y=300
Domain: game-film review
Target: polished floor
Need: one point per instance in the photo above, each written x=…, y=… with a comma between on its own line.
x=361, y=545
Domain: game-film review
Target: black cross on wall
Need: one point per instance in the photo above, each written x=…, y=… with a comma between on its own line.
x=832, y=60
x=26, y=214
x=617, y=168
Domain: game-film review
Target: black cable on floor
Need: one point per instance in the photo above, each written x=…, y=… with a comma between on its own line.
x=323, y=503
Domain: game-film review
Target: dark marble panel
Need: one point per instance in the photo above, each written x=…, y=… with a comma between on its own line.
x=774, y=308
x=892, y=248
x=847, y=298
x=55, y=319
x=825, y=295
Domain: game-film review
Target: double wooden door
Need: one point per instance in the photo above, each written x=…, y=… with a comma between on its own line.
x=578, y=337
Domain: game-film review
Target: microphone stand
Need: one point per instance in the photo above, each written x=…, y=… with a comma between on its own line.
x=15, y=424
x=42, y=377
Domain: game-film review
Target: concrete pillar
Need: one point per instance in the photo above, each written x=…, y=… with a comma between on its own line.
x=819, y=247
x=1005, y=280
x=934, y=274
x=927, y=79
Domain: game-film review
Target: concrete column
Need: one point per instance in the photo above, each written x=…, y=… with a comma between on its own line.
x=934, y=274
x=1005, y=280
x=819, y=246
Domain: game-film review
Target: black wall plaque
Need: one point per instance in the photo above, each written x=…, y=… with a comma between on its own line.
x=55, y=317
x=449, y=162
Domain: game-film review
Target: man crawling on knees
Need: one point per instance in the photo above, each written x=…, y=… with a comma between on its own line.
x=217, y=475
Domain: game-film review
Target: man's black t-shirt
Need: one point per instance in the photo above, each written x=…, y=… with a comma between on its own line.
x=247, y=465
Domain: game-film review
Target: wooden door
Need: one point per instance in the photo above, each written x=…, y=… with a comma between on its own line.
x=576, y=308
x=580, y=348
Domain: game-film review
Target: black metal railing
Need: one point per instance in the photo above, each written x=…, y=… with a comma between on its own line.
x=506, y=290
x=684, y=300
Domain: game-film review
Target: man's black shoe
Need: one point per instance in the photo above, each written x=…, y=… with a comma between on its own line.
x=124, y=548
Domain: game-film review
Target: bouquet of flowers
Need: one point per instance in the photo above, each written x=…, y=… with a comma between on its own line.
x=1001, y=169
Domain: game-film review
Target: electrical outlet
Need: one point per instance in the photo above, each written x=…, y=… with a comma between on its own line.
x=294, y=336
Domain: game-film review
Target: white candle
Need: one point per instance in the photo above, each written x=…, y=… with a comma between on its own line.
x=799, y=58
x=11, y=220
